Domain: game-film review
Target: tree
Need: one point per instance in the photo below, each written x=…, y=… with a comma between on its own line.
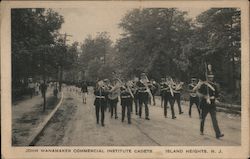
x=33, y=33
x=154, y=41
x=219, y=40
x=96, y=55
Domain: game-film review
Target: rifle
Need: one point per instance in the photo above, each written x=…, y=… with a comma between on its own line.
x=123, y=84
x=170, y=86
x=148, y=90
x=206, y=74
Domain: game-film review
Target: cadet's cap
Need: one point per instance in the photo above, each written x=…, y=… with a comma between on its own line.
x=210, y=75
x=143, y=74
x=193, y=78
x=105, y=80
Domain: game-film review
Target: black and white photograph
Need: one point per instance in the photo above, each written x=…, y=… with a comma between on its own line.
x=117, y=75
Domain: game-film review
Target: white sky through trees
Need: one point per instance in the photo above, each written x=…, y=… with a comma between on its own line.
x=81, y=22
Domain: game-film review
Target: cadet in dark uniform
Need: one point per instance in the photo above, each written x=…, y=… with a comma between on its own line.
x=177, y=94
x=208, y=92
x=153, y=88
x=169, y=98
x=126, y=103
x=100, y=101
x=163, y=91
x=135, y=93
x=143, y=95
x=193, y=98
x=113, y=102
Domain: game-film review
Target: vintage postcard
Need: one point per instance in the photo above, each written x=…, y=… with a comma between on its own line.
x=125, y=79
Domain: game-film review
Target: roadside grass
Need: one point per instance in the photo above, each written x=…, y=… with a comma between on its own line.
x=23, y=127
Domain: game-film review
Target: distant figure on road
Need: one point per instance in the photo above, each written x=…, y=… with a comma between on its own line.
x=55, y=91
x=43, y=89
x=193, y=98
x=84, y=90
x=31, y=87
x=208, y=91
x=37, y=88
x=100, y=102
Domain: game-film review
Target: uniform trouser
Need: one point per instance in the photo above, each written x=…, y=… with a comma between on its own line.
x=143, y=99
x=31, y=91
x=128, y=106
x=168, y=98
x=99, y=108
x=192, y=101
x=162, y=99
x=177, y=98
x=209, y=108
x=113, y=107
x=84, y=95
x=136, y=100
x=153, y=99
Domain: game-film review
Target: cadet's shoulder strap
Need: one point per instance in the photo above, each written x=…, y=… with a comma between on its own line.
x=210, y=86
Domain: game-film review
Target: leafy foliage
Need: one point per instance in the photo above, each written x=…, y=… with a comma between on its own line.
x=155, y=41
x=33, y=34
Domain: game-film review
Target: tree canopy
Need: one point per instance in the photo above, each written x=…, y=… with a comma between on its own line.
x=159, y=41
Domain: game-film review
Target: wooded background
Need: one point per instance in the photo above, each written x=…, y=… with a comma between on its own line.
x=159, y=41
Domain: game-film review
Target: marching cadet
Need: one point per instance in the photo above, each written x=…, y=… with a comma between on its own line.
x=113, y=100
x=163, y=90
x=135, y=94
x=126, y=102
x=169, y=98
x=177, y=87
x=153, y=88
x=208, y=92
x=143, y=95
x=100, y=102
x=193, y=98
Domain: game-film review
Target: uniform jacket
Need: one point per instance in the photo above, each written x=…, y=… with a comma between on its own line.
x=126, y=98
x=190, y=88
x=100, y=97
x=212, y=93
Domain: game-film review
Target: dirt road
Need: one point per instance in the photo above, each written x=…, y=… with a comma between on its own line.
x=75, y=125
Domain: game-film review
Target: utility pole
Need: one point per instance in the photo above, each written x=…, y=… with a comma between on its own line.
x=61, y=67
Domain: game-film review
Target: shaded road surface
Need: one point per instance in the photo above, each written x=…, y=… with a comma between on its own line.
x=75, y=125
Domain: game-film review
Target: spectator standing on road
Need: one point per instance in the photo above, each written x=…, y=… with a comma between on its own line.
x=37, y=88
x=31, y=87
x=84, y=90
x=43, y=87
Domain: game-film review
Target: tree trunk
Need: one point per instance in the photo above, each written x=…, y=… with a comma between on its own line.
x=44, y=82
